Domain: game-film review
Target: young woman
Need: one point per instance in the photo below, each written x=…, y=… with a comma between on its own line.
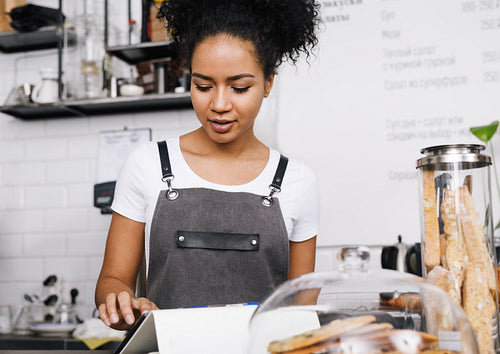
x=238, y=219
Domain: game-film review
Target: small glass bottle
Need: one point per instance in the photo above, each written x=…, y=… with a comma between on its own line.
x=91, y=78
x=134, y=33
x=65, y=314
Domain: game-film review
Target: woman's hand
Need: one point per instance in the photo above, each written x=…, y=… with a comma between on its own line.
x=114, y=297
x=123, y=310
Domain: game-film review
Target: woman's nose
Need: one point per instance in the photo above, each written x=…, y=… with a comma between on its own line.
x=221, y=101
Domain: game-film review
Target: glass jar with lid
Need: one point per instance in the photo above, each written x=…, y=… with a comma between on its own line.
x=458, y=251
x=359, y=310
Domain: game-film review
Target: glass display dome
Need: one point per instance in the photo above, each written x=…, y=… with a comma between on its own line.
x=357, y=310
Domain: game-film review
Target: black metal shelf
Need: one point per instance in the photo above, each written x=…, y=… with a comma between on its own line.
x=51, y=37
x=147, y=51
x=90, y=107
x=43, y=38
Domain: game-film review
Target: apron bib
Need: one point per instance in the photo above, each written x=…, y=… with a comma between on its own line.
x=210, y=247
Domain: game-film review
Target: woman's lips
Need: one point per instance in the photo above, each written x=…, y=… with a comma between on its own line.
x=221, y=126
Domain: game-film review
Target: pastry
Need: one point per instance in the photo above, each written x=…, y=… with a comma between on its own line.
x=432, y=247
x=332, y=330
x=479, y=305
x=455, y=254
x=474, y=236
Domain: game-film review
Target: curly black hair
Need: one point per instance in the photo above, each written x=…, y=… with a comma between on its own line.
x=279, y=29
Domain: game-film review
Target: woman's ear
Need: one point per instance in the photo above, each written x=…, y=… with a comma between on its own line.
x=269, y=84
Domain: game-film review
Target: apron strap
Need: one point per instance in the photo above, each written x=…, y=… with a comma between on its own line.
x=166, y=170
x=280, y=172
x=167, y=175
x=275, y=185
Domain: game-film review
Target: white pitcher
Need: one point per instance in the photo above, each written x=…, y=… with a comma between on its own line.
x=49, y=89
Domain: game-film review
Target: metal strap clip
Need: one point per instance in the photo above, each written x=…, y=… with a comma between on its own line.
x=268, y=199
x=171, y=194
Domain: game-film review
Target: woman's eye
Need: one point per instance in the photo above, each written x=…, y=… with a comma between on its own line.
x=241, y=89
x=203, y=88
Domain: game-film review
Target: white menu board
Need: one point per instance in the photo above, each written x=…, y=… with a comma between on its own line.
x=114, y=147
x=391, y=77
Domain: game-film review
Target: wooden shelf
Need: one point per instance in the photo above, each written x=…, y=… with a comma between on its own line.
x=89, y=107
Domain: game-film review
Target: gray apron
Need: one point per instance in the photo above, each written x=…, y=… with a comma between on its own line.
x=210, y=247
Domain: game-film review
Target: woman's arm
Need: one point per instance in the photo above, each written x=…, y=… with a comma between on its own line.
x=115, y=290
x=302, y=257
x=302, y=261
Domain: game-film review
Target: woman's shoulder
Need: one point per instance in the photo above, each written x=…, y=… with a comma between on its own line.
x=152, y=147
x=146, y=154
x=299, y=169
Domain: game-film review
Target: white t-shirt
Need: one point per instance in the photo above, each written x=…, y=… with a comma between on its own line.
x=140, y=182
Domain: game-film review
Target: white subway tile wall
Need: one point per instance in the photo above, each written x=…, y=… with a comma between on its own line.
x=48, y=167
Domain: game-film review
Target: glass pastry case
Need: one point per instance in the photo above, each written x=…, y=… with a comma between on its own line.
x=358, y=310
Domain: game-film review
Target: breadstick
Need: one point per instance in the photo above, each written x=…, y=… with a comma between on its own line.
x=455, y=252
x=498, y=281
x=455, y=282
x=431, y=225
x=479, y=305
x=439, y=276
x=451, y=283
x=443, y=245
x=473, y=234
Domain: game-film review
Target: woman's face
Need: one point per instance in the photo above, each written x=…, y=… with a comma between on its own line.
x=227, y=87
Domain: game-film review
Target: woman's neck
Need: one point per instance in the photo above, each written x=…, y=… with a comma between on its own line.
x=199, y=143
x=234, y=163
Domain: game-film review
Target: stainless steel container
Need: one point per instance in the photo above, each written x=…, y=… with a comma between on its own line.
x=458, y=251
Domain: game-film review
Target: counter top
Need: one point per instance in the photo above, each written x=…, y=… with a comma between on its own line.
x=52, y=351
x=37, y=343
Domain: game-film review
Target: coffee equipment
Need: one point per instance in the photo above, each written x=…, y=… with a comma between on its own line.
x=402, y=257
x=393, y=257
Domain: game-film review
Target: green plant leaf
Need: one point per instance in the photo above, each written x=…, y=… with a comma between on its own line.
x=485, y=132
x=487, y=217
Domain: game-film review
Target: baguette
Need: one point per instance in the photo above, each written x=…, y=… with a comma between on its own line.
x=431, y=225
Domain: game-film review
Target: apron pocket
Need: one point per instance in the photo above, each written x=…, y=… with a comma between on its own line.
x=218, y=240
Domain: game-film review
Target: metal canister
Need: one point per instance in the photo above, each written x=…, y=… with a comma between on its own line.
x=458, y=250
